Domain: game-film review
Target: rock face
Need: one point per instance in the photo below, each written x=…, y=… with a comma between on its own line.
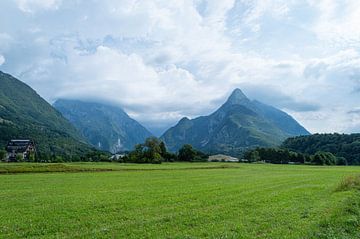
x=237, y=125
x=106, y=127
x=25, y=115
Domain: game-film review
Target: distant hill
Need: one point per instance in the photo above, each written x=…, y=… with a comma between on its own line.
x=106, y=127
x=24, y=114
x=237, y=125
x=341, y=145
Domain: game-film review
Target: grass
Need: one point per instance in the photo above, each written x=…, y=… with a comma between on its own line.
x=351, y=182
x=343, y=220
x=179, y=200
x=14, y=168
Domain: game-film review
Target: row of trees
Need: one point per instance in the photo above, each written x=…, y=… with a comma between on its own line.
x=91, y=156
x=341, y=145
x=40, y=157
x=285, y=156
x=154, y=151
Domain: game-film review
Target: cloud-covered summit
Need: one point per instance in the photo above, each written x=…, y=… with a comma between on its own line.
x=163, y=60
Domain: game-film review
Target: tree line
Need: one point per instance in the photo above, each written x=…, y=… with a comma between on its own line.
x=154, y=150
x=342, y=146
x=285, y=156
x=41, y=157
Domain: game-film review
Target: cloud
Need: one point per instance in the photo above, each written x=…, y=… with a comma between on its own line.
x=270, y=95
x=110, y=75
x=32, y=6
x=355, y=111
x=162, y=60
x=2, y=60
x=5, y=41
x=338, y=22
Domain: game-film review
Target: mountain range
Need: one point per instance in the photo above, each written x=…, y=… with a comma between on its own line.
x=73, y=127
x=105, y=126
x=239, y=124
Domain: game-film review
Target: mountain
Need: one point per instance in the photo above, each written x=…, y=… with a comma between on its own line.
x=237, y=125
x=24, y=114
x=104, y=126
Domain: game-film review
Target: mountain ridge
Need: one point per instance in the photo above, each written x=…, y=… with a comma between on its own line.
x=106, y=127
x=235, y=126
x=24, y=114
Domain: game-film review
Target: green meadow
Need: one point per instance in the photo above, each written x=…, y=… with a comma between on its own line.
x=177, y=200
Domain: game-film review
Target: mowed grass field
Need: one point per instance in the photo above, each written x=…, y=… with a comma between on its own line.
x=174, y=200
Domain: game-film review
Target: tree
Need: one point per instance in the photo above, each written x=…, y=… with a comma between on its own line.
x=19, y=158
x=186, y=153
x=163, y=150
x=167, y=156
x=340, y=145
x=151, y=151
x=32, y=157
x=252, y=156
x=323, y=158
x=341, y=161
x=2, y=154
x=274, y=155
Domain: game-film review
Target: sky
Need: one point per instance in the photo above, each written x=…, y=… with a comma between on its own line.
x=161, y=60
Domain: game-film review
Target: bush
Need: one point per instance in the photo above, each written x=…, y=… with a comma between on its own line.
x=252, y=156
x=349, y=183
x=152, y=151
x=188, y=154
x=2, y=155
x=323, y=158
x=341, y=161
x=274, y=155
x=19, y=158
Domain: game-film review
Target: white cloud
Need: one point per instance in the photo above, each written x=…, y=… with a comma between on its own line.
x=111, y=75
x=32, y=6
x=163, y=60
x=338, y=22
x=257, y=9
x=5, y=41
x=2, y=60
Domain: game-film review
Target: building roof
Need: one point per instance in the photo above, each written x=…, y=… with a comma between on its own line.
x=18, y=145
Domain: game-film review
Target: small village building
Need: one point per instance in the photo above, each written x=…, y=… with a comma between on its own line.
x=19, y=148
x=222, y=158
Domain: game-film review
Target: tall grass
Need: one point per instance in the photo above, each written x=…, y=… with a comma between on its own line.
x=343, y=220
x=349, y=183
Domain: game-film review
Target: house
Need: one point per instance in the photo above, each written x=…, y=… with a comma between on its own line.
x=19, y=148
x=116, y=157
x=222, y=158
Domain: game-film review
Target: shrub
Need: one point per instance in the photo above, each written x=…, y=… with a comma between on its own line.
x=2, y=154
x=274, y=155
x=349, y=183
x=323, y=158
x=188, y=154
x=341, y=161
x=19, y=158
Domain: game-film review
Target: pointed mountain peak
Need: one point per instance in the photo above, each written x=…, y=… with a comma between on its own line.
x=237, y=97
x=184, y=119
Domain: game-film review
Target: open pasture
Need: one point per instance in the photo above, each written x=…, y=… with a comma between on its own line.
x=174, y=200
